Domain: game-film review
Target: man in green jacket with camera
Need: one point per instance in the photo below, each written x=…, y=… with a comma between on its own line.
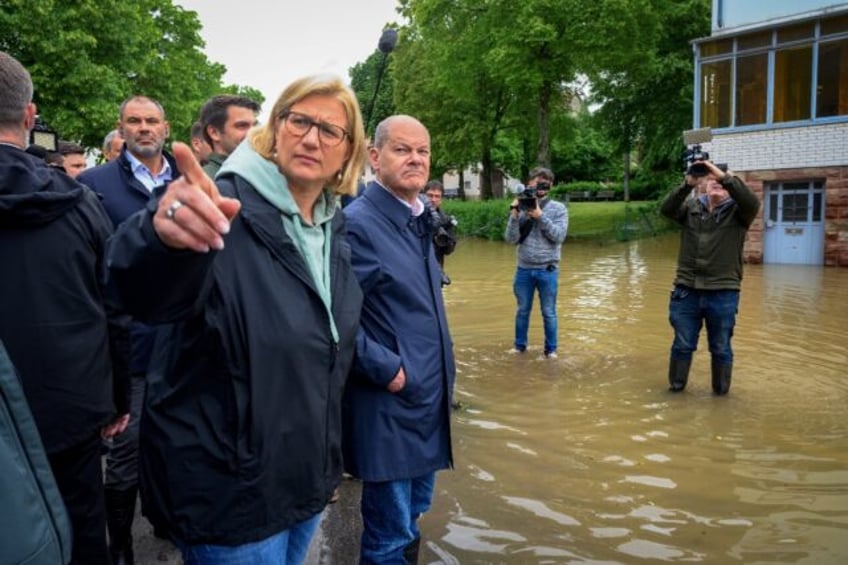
x=715, y=209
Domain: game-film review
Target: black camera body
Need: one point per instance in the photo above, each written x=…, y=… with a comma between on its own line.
x=442, y=225
x=528, y=198
x=690, y=157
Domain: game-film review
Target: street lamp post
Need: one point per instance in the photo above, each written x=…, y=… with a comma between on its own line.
x=386, y=45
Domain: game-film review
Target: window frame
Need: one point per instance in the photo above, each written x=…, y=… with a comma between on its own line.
x=771, y=49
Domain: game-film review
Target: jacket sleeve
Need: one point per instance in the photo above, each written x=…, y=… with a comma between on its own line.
x=117, y=321
x=512, y=234
x=744, y=197
x=373, y=361
x=554, y=223
x=672, y=206
x=156, y=284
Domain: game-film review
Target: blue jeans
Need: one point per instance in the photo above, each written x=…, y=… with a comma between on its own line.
x=690, y=308
x=284, y=548
x=526, y=282
x=390, y=512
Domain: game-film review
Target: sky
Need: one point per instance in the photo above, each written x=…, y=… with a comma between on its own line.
x=267, y=44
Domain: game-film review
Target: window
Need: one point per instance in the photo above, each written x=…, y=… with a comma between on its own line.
x=715, y=94
x=832, y=84
x=751, y=73
x=753, y=41
x=793, y=75
x=795, y=33
x=835, y=25
x=716, y=47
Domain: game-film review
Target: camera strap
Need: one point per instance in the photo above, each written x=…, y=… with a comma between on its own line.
x=525, y=224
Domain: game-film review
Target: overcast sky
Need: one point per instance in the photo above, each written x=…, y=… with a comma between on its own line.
x=267, y=44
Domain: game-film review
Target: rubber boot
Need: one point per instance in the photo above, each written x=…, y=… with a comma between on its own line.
x=120, y=511
x=410, y=552
x=678, y=374
x=721, y=378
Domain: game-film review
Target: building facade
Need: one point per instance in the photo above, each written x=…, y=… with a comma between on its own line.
x=771, y=84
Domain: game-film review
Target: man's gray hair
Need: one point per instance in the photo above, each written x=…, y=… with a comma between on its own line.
x=543, y=172
x=15, y=90
x=107, y=141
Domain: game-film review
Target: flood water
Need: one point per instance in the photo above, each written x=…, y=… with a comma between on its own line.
x=588, y=458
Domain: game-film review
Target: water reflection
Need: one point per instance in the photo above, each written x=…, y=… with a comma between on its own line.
x=587, y=459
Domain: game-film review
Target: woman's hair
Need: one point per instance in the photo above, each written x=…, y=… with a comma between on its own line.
x=263, y=138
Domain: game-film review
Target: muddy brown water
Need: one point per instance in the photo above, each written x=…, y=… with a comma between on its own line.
x=588, y=459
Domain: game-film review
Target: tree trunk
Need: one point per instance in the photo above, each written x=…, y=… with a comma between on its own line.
x=461, y=188
x=486, y=176
x=543, y=150
x=626, y=176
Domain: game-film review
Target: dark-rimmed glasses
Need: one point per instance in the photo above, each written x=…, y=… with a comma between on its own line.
x=300, y=124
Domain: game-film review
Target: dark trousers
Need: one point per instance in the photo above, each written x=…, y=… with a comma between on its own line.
x=122, y=458
x=80, y=480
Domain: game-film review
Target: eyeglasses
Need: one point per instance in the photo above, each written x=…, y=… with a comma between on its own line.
x=300, y=124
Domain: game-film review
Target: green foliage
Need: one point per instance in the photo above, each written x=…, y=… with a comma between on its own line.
x=498, y=83
x=86, y=57
x=587, y=220
x=587, y=154
x=363, y=80
x=646, y=90
x=486, y=219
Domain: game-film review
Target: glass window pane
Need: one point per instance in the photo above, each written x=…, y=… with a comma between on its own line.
x=795, y=207
x=838, y=24
x=773, y=206
x=795, y=186
x=754, y=40
x=751, y=77
x=794, y=33
x=817, y=206
x=793, y=77
x=715, y=94
x=832, y=84
x=716, y=47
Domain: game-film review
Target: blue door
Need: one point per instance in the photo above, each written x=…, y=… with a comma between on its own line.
x=794, y=223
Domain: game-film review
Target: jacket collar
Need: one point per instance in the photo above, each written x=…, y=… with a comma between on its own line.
x=388, y=205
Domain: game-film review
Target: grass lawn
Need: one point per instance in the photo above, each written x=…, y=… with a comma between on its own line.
x=586, y=220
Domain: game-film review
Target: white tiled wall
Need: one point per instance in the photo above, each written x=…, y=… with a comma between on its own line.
x=785, y=148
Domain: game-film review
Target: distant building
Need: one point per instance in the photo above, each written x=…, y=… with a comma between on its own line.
x=771, y=81
x=472, y=179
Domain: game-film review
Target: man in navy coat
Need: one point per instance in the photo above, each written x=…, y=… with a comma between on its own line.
x=125, y=185
x=397, y=402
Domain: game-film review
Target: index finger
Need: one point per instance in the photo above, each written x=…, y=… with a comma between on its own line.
x=193, y=172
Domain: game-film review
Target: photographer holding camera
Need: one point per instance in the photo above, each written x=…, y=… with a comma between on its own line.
x=444, y=226
x=538, y=226
x=715, y=209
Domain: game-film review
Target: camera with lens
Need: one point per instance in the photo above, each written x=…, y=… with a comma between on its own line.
x=528, y=197
x=692, y=158
x=442, y=225
x=693, y=155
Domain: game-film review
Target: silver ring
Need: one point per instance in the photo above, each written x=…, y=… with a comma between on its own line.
x=172, y=209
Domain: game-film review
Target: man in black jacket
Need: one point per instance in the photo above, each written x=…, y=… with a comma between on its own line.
x=125, y=185
x=54, y=316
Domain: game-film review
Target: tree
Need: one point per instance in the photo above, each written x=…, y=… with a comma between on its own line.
x=86, y=57
x=645, y=91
